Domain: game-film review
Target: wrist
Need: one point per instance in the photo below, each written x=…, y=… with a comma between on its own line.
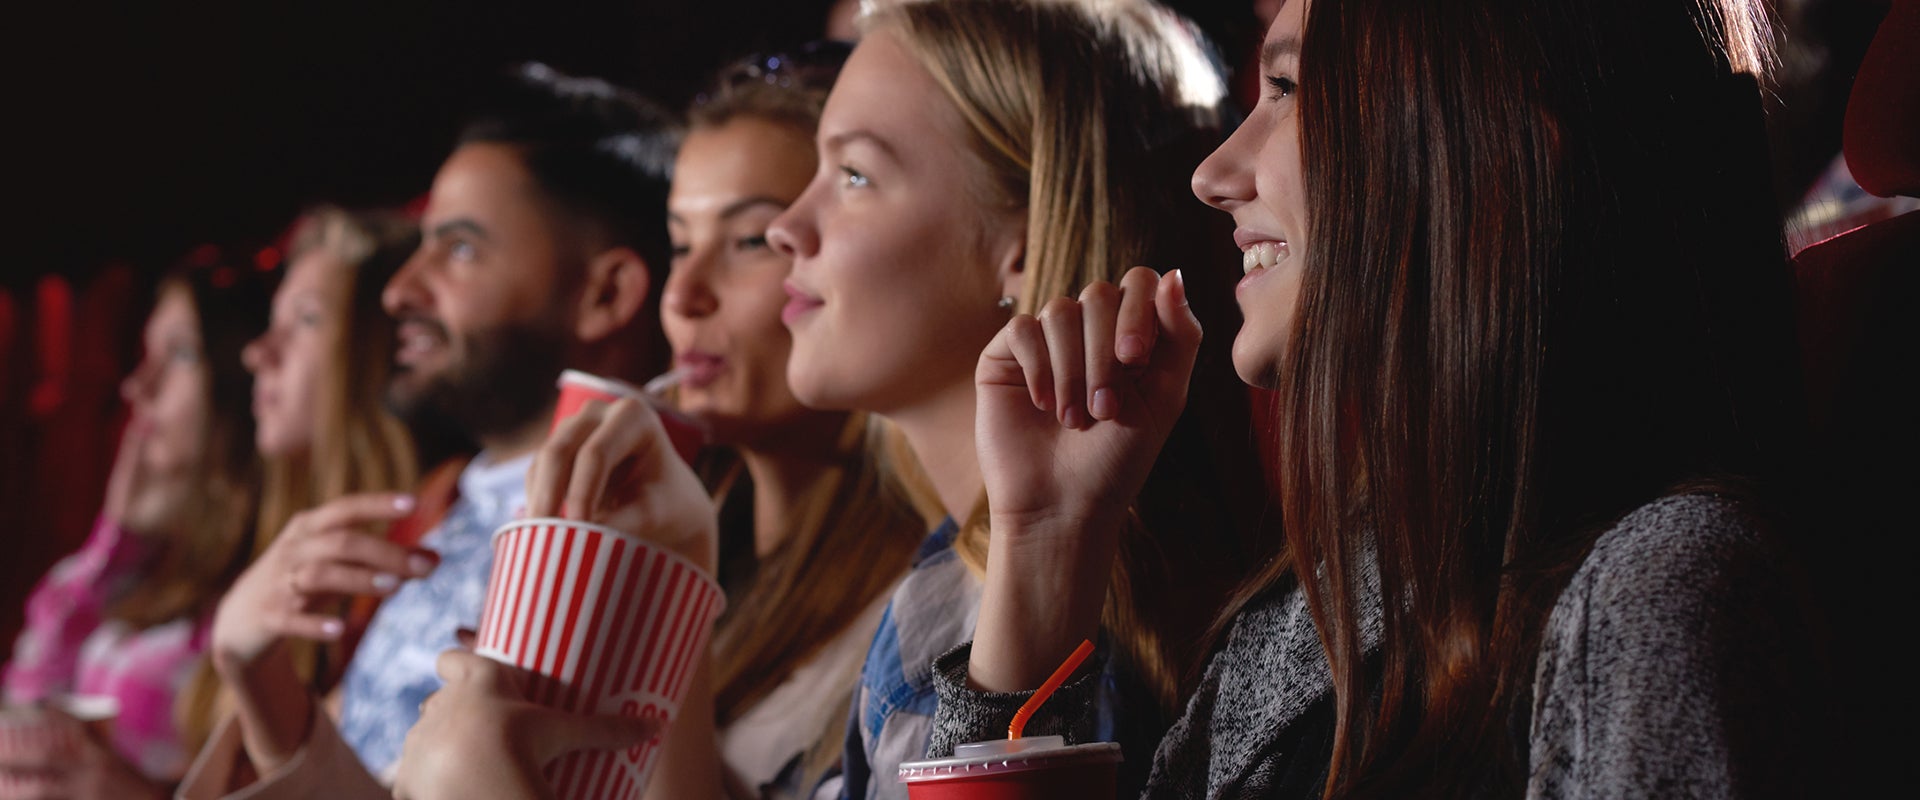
x=1046, y=589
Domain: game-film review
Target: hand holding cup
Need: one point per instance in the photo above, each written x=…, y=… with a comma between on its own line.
x=614, y=465
x=323, y=555
x=479, y=736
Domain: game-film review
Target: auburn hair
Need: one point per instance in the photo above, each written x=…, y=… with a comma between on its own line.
x=1544, y=285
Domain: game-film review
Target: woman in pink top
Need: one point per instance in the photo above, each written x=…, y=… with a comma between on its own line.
x=126, y=616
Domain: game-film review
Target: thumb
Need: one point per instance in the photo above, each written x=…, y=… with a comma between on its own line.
x=1179, y=342
x=561, y=733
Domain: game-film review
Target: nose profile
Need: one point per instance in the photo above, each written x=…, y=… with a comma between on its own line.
x=689, y=290
x=138, y=385
x=403, y=291
x=792, y=234
x=259, y=353
x=1224, y=180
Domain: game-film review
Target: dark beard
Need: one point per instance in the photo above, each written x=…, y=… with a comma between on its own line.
x=504, y=380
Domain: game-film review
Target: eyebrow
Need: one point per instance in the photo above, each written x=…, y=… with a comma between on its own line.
x=1289, y=46
x=461, y=225
x=843, y=138
x=738, y=207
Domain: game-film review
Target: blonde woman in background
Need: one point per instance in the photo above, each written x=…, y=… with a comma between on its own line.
x=322, y=429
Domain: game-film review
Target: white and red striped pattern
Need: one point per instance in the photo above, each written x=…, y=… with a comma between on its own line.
x=28, y=735
x=607, y=623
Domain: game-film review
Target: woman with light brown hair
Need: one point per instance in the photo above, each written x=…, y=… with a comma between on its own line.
x=322, y=428
x=813, y=538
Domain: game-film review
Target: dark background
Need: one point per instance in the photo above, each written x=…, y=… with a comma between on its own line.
x=136, y=136
x=151, y=130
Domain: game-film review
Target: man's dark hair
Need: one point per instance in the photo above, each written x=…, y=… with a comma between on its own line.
x=602, y=153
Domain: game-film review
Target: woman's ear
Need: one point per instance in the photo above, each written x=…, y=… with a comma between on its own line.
x=616, y=287
x=1010, y=260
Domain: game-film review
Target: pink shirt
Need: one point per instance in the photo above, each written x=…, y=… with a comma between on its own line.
x=67, y=646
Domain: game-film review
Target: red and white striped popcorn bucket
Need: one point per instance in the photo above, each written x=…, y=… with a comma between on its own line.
x=606, y=623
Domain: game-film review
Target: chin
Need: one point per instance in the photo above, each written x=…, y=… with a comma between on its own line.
x=1255, y=367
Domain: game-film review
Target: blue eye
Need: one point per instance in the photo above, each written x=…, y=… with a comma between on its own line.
x=750, y=242
x=855, y=179
x=460, y=249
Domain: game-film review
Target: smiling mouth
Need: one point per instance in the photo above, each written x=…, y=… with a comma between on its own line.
x=414, y=340
x=1263, y=254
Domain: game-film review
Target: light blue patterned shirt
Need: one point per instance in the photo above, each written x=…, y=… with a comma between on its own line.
x=392, y=672
x=932, y=611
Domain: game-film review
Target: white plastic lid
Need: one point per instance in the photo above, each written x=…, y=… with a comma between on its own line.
x=1009, y=755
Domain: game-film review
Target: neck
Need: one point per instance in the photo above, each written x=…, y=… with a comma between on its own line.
x=784, y=468
x=940, y=431
x=520, y=441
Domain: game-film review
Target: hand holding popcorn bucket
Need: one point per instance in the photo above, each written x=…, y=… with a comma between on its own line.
x=604, y=622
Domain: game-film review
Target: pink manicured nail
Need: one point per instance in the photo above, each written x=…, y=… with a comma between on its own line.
x=1130, y=348
x=1103, y=404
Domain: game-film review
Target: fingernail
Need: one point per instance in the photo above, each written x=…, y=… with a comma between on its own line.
x=1103, y=406
x=1179, y=286
x=1130, y=347
x=333, y=628
x=385, y=582
x=421, y=563
x=1076, y=418
x=403, y=503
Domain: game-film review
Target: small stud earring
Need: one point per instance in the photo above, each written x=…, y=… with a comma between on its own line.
x=1006, y=303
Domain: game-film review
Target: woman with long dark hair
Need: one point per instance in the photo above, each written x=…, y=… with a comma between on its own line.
x=1511, y=269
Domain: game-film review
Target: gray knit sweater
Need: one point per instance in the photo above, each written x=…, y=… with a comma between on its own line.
x=1660, y=674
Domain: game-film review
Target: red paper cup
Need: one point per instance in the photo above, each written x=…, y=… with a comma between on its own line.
x=576, y=388
x=1034, y=768
x=607, y=624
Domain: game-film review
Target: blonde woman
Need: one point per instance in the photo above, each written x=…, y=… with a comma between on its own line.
x=322, y=429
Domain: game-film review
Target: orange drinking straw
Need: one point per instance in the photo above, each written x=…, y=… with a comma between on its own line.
x=1047, y=689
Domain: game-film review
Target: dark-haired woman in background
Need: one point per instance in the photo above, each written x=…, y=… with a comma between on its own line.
x=127, y=615
x=1537, y=412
